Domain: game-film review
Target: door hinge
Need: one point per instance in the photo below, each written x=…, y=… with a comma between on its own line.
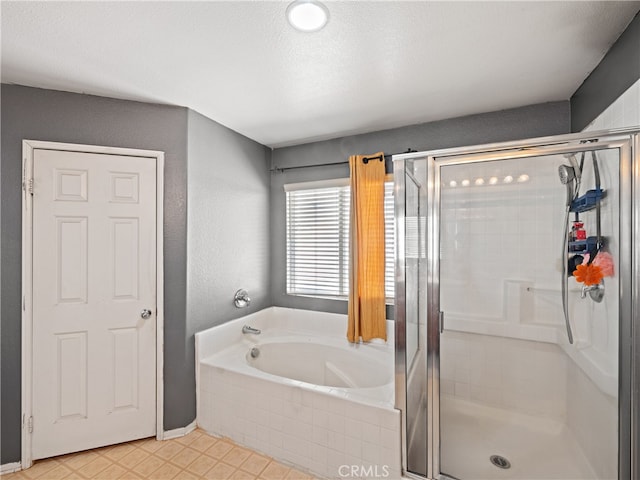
x=24, y=303
x=27, y=185
x=441, y=321
x=28, y=424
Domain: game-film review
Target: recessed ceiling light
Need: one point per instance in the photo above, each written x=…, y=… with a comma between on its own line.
x=479, y=181
x=493, y=180
x=465, y=183
x=523, y=178
x=508, y=179
x=453, y=183
x=307, y=15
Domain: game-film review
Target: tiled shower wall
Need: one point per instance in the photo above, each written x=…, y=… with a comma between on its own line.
x=500, y=277
x=517, y=375
x=590, y=406
x=500, y=247
x=500, y=285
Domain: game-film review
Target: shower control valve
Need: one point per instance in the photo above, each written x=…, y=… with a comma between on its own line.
x=241, y=299
x=596, y=292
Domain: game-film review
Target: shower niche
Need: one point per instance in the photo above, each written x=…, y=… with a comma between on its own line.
x=512, y=371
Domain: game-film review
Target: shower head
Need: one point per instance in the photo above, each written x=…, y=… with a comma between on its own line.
x=567, y=176
x=577, y=169
x=566, y=173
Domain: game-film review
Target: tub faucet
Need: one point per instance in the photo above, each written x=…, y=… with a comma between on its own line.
x=248, y=329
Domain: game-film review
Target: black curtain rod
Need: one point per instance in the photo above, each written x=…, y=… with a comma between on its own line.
x=365, y=160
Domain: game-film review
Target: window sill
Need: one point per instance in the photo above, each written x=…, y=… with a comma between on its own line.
x=388, y=301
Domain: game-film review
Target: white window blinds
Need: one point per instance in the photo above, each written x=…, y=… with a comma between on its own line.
x=317, y=218
x=389, y=242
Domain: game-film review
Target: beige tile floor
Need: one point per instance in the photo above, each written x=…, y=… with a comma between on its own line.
x=194, y=456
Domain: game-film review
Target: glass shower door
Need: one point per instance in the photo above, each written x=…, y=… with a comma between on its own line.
x=411, y=308
x=517, y=400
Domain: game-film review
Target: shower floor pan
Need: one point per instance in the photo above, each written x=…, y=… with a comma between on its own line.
x=537, y=448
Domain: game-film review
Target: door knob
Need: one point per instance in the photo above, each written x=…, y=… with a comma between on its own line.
x=146, y=313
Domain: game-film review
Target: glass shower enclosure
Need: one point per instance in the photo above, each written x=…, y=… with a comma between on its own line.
x=517, y=305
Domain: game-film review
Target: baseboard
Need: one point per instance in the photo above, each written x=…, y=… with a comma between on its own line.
x=179, y=432
x=10, y=468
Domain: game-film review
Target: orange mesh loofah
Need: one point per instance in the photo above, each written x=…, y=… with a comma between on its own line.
x=588, y=274
x=604, y=260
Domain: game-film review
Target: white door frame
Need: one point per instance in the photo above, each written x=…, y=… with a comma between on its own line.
x=28, y=147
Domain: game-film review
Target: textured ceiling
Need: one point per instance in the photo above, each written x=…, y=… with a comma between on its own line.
x=376, y=65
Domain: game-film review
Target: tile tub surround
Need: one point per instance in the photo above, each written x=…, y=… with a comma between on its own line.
x=325, y=430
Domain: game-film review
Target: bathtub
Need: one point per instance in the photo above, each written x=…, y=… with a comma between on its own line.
x=299, y=392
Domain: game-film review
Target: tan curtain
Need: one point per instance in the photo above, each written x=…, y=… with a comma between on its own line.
x=367, y=316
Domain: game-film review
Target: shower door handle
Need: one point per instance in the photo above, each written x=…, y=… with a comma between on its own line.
x=441, y=321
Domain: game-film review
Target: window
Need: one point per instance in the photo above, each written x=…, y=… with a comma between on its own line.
x=318, y=238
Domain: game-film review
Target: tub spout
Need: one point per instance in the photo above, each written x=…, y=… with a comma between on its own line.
x=248, y=329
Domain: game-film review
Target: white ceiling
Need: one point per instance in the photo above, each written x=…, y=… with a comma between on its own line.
x=376, y=65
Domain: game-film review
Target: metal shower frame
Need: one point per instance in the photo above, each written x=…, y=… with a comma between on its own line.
x=627, y=141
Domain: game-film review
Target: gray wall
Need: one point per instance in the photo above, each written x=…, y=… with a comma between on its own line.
x=216, y=231
x=618, y=70
x=228, y=228
x=526, y=122
x=35, y=114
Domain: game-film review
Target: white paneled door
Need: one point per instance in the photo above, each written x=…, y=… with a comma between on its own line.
x=94, y=300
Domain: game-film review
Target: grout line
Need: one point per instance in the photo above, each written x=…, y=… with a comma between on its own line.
x=76, y=463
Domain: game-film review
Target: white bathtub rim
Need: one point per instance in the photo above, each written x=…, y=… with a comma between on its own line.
x=279, y=318
x=370, y=370
x=236, y=353
x=233, y=359
x=225, y=346
x=355, y=395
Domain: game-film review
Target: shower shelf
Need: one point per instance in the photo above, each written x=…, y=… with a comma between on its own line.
x=583, y=246
x=588, y=201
